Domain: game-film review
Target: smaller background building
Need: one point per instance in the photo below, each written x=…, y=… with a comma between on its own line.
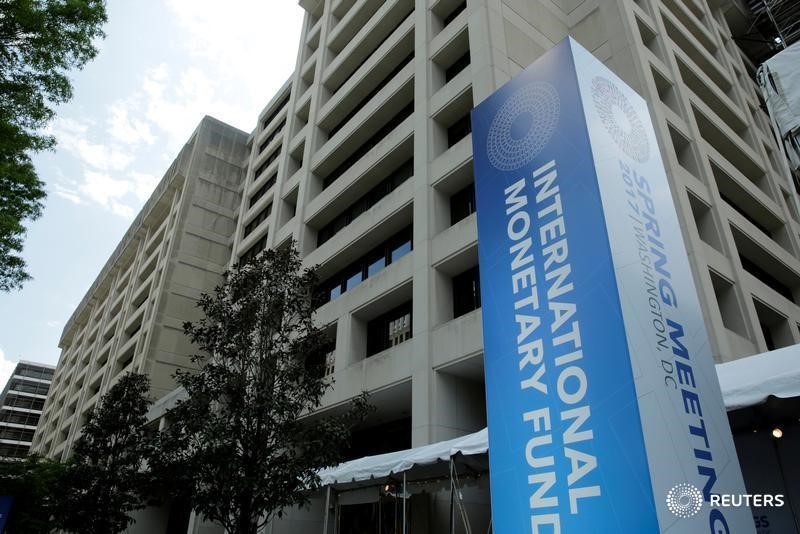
x=21, y=407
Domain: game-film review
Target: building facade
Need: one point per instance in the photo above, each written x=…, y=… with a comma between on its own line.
x=21, y=407
x=131, y=319
x=364, y=159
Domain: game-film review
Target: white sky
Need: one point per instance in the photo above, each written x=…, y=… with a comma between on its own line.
x=163, y=65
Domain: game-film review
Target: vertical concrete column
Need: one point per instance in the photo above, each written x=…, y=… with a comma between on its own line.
x=487, y=44
x=314, y=136
x=421, y=371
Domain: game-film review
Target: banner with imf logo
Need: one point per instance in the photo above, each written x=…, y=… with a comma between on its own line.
x=602, y=397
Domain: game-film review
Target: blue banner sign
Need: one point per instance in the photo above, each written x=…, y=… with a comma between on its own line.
x=601, y=390
x=5, y=509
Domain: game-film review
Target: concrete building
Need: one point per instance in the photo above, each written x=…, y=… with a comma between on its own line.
x=364, y=158
x=131, y=319
x=21, y=407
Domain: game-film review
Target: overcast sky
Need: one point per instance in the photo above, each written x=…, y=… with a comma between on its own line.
x=163, y=65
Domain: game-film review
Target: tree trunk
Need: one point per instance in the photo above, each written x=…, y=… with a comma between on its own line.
x=247, y=525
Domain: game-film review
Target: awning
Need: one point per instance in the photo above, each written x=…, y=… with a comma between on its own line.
x=744, y=382
x=749, y=381
x=384, y=465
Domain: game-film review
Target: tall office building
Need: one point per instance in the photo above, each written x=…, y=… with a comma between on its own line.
x=364, y=158
x=21, y=407
x=131, y=319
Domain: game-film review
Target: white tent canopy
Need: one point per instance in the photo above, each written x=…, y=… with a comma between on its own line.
x=751, y=380
x=383, y=465
x=744, y=382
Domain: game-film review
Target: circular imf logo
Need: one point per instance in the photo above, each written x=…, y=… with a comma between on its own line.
x=684, y=500
x=523, y=126
x=620, y=119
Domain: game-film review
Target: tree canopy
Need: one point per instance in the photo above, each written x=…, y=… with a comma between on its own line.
x=107, y=476
x=239, y=438
x=31, y=482
x=40, y=42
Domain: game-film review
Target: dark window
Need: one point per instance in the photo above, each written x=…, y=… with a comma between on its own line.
x=466, y=292
x=278, y=129
x=767, y=278
x=321, y=363
x=457, y=66
x=768, y=336
x=272, y=157
x=459, y=130
x=387, y=185
x=19, y=418
x=387, y=437
x=453, y=14
x=16, y=434
x=462, y=204
x=371, y=94
x=257, y=220
x=744, y=214
x=368, y=145
x=28, y=403
x=13, y=451
x=34, y=372
x=276, y=112
x=367, y=265
x=366, y=57
x=262, y=190
x=253, y=251
x=390, y=329
x=29, y=387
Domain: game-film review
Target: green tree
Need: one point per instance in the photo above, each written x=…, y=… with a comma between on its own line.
x=30, y=482
x=40, y=42
x=107, y=476
x=238, y=438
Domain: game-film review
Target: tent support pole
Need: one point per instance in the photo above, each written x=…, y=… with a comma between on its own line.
x=404, y=503
x=452, y=496
x=327, y=510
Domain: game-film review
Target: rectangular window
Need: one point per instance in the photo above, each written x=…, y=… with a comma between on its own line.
x=369, y=144
x=262, y=190
x=272, y=157
x=29, y=387
x=354, y=280
x=367, y=56
x=390, y=329
x=375, y=195
x=458, y=65
x=466, y=292
x=16, y=434
x=256, y=222
x=367, y=265
x=275, y=113
x=254, y=250
x=278, y=129
x=459, y=130
x=401, y=250
x=376, y=265
x=19, y=418
x=462, y=204
x=363, y=102
x=453, y=14
x=752, y=268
